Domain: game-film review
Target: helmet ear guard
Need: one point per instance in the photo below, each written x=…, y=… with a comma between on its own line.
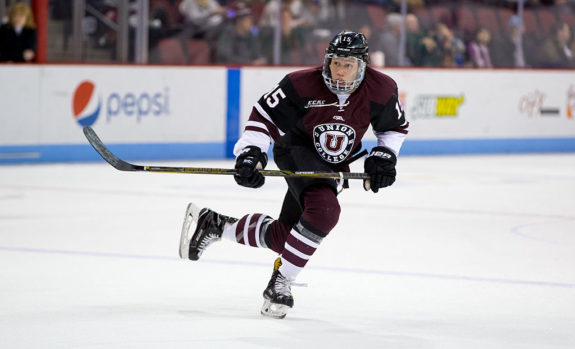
x=347, y=45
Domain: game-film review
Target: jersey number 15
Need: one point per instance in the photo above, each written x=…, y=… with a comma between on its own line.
x=274, y=96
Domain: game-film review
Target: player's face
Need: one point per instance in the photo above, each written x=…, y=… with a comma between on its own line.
x=343, y=69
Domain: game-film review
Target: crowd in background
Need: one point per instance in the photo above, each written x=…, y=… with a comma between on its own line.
x=18, y=35
x=437, y=33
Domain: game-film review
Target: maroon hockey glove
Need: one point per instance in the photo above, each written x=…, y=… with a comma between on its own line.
x=380, y=165
x=250, y=160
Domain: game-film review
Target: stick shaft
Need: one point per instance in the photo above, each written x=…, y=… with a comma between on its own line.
x=122, y=165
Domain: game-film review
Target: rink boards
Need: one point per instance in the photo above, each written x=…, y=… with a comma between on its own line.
x=151, y=112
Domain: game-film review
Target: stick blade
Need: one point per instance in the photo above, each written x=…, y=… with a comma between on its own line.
x=106, y=154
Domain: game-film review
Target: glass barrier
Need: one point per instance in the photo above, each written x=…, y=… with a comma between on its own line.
x=497, y=33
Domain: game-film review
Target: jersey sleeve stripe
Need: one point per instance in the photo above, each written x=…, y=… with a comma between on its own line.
x=257, y=129
x=256, y=124
x=266, y=116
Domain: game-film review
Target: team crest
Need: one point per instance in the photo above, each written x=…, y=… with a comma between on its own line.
x=333, y=142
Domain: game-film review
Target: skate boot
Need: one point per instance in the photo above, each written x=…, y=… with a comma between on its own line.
x=277, y=296
x=207, y=227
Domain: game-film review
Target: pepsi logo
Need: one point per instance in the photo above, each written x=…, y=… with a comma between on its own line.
x=85, y=104
x=88, y=104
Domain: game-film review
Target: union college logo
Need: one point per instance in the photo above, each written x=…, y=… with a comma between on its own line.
x=333, y=142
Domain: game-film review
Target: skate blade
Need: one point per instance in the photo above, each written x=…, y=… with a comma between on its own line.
x=188, y=228
x=274, y=310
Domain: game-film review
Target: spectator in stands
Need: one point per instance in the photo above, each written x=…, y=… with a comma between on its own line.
x=564, y=6
x=428, y=53
x=239, y=42
x=293, y=44
x=18, y=36
x=451, y=48
x=376, y=55
x=351, y=14
x=315, y=22
x=318, y=14
x=478, y=49
x=268, y=18
x=506, y=53
x=439, y=48
x=395, y=5
x=389, y=39
x=203, y=18
x=313, y=15
x=555, y=51
x=413, y=40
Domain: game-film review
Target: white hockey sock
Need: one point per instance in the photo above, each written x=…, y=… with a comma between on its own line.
x=298, y=249
x=230, y=231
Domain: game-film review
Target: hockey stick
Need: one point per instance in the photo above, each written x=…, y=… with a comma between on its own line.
x=122, y=165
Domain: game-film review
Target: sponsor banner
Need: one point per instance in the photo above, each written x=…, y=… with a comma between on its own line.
x=135, y=104
x=124, y=104
x=462, y=104
x=20, y=97
x=483, y=104
x=47, y=106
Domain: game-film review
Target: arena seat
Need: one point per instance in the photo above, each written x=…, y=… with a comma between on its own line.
x=257, y=8
x=504, y=17
x=568, y=18
x=441, y=14
x=171, y=51
x=199, y=52
x=547, y=19
x=531, y=23
x=487, y=17
x=424, y=18
x=465, y=20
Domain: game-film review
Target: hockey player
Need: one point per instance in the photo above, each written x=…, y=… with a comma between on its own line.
x=316, y=119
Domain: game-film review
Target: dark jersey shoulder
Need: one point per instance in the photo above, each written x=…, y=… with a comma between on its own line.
x=385, y=109
x=381, y=87
x=285, y=105
x=308, y=82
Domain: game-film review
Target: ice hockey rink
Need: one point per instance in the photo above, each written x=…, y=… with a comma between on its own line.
x=462, y=252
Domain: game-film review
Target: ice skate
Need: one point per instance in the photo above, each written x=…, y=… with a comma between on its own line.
x=277, y=296
x=207, y=227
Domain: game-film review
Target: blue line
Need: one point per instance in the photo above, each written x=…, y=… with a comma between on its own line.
x=266, y=265
x=233, y=110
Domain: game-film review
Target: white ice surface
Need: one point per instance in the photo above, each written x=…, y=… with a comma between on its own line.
x=462, y=252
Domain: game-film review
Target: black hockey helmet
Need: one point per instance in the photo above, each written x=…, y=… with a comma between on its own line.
x=349, y=44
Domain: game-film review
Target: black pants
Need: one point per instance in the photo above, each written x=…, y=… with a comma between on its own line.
x=299, y=158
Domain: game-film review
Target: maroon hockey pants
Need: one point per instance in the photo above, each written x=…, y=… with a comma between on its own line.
x=320, y=210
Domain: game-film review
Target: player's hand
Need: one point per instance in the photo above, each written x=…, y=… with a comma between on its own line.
x=250, y=160
x=380, y=165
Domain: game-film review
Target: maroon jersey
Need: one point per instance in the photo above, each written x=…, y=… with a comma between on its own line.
x=303, y=106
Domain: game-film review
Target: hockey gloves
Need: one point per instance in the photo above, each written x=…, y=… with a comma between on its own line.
x=380, y=166
x=250, y=160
